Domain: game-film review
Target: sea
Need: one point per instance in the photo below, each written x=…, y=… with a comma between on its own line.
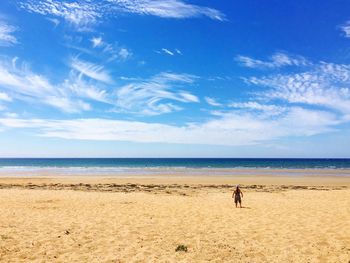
x=164, y=166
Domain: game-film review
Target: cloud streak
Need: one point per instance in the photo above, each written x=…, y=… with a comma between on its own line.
x=90, y=70
x=153, y=96
x=346, y=29
x=212, y=102
x=6, y=34
x=112, y=51
x=277, y=60
x=5, y=97
x=80, y=14
x=167, y=9
x=169, y=52
x=83, y=14
x=86, y=81
x=233, y=128
x=24, y=85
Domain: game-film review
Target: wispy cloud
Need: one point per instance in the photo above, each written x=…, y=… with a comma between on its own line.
x=166, y=8
x=88, y=82
x=80, y=14
x=167, y=51
x=235, y=128
x=152, y=96
x=90, y=70
x=114, y=52
x=27, y=86
x=325, y=84
x=84, y=14
x=11, y=115
x=55, y=21
x=67, y=104
x=81, y=88
x=124, y=53
x=346, y=29
x=6, y=34
x=277, y=60
x=212, y=102
x=96, y=41
x=5, y=97
x=170, y=52
x=178, y=51
x=268, y=109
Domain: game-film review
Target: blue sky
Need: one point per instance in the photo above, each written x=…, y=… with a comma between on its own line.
x=174, y=78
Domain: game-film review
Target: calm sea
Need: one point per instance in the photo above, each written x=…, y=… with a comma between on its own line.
x=272, y=163
x=182, y=166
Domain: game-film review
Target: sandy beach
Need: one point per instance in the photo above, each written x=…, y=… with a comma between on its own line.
x=144, y=219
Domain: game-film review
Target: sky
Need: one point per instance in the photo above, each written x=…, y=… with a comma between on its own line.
x=174, y=78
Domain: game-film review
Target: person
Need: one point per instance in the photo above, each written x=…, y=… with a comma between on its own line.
x=237, y=196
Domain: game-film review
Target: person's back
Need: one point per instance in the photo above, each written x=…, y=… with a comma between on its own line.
x=237, y=196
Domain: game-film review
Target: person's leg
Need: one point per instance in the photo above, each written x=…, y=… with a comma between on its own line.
x=240, y=203
x=236, y=203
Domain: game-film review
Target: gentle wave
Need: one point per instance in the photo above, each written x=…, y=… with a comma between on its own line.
x=122, y=166
x=128, y=171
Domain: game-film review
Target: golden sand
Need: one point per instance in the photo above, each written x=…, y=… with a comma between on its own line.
x=145, y=220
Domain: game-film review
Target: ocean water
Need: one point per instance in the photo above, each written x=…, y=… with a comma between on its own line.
x=273, y=163
x=212, y=166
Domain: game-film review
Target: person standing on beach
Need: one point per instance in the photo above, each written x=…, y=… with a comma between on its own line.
x=237, y=196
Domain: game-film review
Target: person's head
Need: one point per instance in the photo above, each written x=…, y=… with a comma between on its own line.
x=237, y=187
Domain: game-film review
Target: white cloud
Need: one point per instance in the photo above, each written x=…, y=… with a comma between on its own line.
x=152, y=96
x=80, y=14
x=67, y=104
x=27, y=86
x=96, y=41
x=55, y=21
x=212, y=102
x=83, y=89
x=325, y=84
x=5, y=97
x=90, y=70
x=124, y=53
x=84, y=14
x=253, y=105
x=166, y=8
x=6, y=34
x=346, y=29
x=11, y=115
x=277, y=60
x=168, y=52
x=112, y=51
x=234, y=128
x=86, y=82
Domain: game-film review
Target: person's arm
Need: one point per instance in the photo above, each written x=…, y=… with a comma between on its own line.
x=233, y=194
x=242, y=194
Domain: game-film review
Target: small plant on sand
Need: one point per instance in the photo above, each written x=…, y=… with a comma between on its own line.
x=181, y=248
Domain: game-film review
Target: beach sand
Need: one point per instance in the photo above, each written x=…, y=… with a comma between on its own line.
x=144, y=219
